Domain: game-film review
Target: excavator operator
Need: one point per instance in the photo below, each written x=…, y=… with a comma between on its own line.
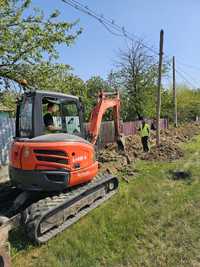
x=48, y=119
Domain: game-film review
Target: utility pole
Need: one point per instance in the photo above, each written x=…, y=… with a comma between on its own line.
x=110, y=79
x=159, y=89
x=174, y=94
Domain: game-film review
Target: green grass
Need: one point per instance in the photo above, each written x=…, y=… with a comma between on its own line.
x=152, y=221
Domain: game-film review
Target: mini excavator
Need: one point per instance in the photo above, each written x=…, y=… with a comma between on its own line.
x=54, y=178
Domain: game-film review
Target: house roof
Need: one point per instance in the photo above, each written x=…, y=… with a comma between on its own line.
x=4, y=108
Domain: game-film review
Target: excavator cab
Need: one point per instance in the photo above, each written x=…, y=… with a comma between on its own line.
x=50, y=161
x=32, y=108
x=43, y=160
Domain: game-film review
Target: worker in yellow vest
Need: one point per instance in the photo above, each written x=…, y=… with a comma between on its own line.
x=145, y=133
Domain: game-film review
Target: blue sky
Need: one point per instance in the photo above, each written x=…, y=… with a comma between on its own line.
x=95, y=50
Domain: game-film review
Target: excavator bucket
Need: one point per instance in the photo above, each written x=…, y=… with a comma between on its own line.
x=4, y=258
x=121, y=143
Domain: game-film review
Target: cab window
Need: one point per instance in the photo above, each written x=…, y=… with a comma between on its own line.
x=71, y=117
x=25, y=117
x=65, y=116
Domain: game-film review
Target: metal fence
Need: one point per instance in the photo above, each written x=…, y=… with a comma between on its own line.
x=7, y=131
x=130, y=128
x=107, y=133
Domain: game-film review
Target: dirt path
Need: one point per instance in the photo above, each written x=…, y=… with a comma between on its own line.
x=3, y=174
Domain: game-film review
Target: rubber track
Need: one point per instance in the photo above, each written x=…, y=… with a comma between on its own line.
x=8, y=194
x=36, y=212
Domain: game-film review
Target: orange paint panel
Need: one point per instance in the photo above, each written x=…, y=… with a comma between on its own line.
x=15, y=154
x=83, y=175
x=45, y=167
x=23, y=152
x=79, y=158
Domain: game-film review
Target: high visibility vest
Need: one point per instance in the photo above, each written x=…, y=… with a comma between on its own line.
x=145, y=131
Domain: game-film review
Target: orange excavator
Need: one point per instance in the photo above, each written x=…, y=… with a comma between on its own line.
x=54, y=178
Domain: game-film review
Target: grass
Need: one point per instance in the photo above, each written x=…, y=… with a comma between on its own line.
x=152, y=221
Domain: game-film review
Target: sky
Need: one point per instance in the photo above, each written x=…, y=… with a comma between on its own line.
x=95, y=50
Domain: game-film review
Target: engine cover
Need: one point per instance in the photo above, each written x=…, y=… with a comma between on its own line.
x=52, y=162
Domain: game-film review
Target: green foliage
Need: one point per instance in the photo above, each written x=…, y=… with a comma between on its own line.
x=3, y=3
x=188, y=103
x=46, y=76
x=8, y=99
x=94, y=85
x=137, y=77
x=26, y=39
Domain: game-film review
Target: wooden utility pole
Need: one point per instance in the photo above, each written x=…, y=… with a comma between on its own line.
x=159, y=89
x=174, y=94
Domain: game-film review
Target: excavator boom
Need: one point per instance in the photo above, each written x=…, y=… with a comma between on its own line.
x=106, y=100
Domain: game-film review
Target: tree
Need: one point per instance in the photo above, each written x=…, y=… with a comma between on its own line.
x=50, y=77
x=29, y=40
x=136, y=75
x=46, y=76
x=167, y=104
x=94, y=85
x=3, y=3
x=8, y=99
x=188, y=103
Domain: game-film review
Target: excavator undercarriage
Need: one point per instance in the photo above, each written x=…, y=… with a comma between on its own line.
x=46, y=216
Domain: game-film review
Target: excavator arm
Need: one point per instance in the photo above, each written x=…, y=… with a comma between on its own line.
x=106, y=100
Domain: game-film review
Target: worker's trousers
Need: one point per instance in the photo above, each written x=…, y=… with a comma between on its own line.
x=145, y=144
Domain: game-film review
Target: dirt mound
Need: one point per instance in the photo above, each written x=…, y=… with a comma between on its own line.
x=182, y=133
x=168, y=150
x=110, y=160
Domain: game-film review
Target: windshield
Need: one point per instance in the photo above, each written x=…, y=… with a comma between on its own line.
x=62, y=116
x=25, y=117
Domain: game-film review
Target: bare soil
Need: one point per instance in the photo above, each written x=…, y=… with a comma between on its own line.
x=112, y=160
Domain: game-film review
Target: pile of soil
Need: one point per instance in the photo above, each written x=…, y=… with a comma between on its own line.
x=182, y=133
x=111, y=160
x=169, y=149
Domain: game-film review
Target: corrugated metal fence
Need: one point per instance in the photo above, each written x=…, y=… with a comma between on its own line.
x=7, y=131
x=107, y=133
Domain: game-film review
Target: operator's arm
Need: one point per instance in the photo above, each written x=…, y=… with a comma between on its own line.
x=53, y=128
x=48, y=121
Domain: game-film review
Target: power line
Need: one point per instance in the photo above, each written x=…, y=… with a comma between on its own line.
x=189, y=66
x=110, y=23
x=185, y=79
x=120, y=31
x=188, y=75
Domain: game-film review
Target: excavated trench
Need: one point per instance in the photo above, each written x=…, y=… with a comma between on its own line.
x=169, y=149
